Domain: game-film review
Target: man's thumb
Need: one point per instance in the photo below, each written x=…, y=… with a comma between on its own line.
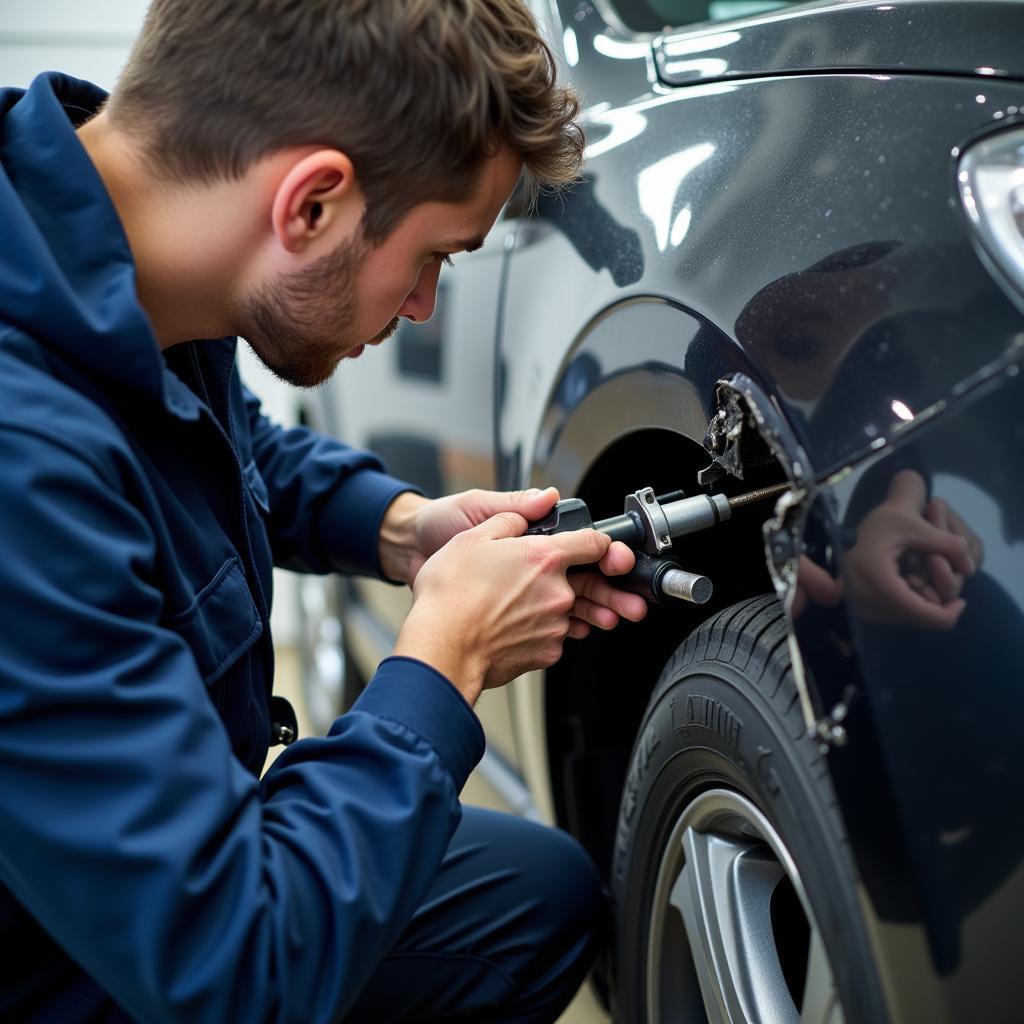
x=532, y=504
x=501, y=526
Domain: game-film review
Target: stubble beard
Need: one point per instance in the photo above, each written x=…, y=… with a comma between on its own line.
x=300, y=327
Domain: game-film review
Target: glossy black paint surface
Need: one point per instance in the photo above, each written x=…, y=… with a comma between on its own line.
x=797, y=220
x=899, y=36
x=834, y=258
x=936, y=731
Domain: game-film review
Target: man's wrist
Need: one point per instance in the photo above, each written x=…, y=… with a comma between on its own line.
x=397, y=539
x=463, y=670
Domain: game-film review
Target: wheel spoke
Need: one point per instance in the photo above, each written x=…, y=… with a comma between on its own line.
x=729, y=923
x=724, y=895
x=820, y=1003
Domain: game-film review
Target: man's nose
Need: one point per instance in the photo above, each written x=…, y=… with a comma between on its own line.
x=419, y=303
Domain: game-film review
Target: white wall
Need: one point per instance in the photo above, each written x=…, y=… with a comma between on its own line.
x=91, y=39
x=86, y=38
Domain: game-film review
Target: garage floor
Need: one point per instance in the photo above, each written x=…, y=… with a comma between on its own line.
x=584, y=1009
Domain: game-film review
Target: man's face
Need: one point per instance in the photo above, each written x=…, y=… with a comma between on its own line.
x=302, y=324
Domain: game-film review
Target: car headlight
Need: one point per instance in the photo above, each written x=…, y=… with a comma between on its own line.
x=991, y=180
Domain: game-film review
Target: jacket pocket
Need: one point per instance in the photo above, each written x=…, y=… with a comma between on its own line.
x=221, y=624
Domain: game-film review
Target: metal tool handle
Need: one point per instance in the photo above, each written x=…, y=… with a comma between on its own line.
x=565, y=516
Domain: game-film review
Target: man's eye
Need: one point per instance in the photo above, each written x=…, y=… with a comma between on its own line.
x=445, y=258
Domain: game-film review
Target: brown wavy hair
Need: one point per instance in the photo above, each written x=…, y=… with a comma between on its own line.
x=416, y=92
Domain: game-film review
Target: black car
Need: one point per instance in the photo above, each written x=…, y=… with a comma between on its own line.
x=796, y=258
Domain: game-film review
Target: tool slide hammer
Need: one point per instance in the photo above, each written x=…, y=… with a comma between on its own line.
x=649, y=525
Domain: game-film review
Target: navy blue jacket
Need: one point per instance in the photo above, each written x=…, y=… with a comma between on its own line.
x=146, y=871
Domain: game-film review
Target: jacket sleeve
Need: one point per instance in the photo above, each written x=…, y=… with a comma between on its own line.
x=187, y=889
x=325, y=500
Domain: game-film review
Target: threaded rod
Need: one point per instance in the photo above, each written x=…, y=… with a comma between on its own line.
x=760, y=495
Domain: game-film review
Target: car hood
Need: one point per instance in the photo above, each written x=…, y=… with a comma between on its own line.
x=981, y=37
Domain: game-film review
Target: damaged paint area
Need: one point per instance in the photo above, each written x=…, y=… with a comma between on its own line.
x=814, y=559
x=749, y=430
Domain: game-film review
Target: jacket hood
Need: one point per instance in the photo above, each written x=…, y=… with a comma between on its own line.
x=67, y=277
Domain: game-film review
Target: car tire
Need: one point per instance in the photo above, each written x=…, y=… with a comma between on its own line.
x=733, y=886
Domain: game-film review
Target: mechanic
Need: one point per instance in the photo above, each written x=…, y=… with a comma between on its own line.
x=293, y=172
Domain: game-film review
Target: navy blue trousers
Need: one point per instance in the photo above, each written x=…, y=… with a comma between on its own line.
x=505, y=935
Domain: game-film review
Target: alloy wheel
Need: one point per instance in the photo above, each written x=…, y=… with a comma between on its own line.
x=732, y=938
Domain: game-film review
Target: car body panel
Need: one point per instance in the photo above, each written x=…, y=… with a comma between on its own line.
x=852, y=275
x=936, y=732
x=855, y=296
x=917, y=36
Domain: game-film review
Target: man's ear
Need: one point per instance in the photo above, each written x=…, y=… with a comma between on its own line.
x=318, y=193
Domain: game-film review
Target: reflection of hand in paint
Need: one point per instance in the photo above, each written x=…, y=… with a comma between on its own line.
x=911, y=558
x=932, y=575
x=816, y=586
x=909, y=563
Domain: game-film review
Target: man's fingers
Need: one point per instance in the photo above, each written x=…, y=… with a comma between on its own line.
x=594, y=614
x=532, y=504
x=578, y=629
x=618, y=559
x=579, y=547
x=596, y=588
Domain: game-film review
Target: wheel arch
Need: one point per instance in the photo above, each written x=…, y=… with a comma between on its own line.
x=591, y=703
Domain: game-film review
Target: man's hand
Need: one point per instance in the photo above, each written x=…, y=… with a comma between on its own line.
x=493, y=604
x=415, y=528
x=910, y=559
